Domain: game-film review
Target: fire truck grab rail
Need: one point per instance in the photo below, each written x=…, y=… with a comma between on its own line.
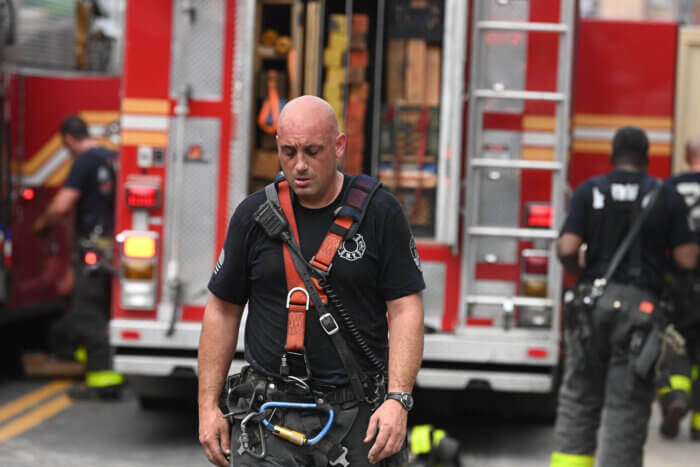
x=174, y=283
x=513, y=232
x=515, y=164
x=521, y=95
x=522, y=26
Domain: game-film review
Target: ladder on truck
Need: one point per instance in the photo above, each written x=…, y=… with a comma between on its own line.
x=544, y=239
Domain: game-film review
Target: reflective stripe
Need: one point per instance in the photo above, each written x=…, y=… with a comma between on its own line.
x=80, y=355
x=420, y=439
x=695, y=421
x=694, y=373
x=663, y=391
x=100, y=379
x=560, y=459
x=437, y=437
x=681, y=383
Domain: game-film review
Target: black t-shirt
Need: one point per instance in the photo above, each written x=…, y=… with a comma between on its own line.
x=379, y=264
x=686, y=315
x=93, y=175
x=688, y=185
x=601, y=211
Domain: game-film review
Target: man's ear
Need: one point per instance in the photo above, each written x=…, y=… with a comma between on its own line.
x=340, y=142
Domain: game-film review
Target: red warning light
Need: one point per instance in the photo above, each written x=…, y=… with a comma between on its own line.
x=28, y=194
x=90, y=258
x=195, y=153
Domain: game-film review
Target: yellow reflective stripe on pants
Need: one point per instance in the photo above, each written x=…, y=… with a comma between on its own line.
x=695, y=421
x=681, y=383
x=420, y=439
x=694, y=373
x=103, y=378
x=560, y=459
x=80, y=355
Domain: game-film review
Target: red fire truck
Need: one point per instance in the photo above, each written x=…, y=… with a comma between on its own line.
x=40, y=86
x=482, y=152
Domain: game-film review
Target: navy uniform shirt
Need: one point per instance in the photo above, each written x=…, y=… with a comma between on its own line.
x=602, y=218
x=93, y=175
x=380, y=263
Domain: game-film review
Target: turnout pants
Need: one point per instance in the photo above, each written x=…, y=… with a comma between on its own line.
x=693, y=347
x=85, y=324
x=343, y=446
x=601, y=379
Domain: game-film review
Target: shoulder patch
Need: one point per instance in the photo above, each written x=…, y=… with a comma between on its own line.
x=219, y=262
x=414, y=253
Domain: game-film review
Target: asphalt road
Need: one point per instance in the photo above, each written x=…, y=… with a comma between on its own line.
x=40, y=425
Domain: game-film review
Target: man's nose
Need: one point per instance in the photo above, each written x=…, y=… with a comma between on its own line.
x=300, y=163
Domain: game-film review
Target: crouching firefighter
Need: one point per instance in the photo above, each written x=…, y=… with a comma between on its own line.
x=320, y=259
x=628, y=220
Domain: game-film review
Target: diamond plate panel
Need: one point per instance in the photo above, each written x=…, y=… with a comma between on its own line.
x=197, y=52
x=199, y=195
x=434, y=274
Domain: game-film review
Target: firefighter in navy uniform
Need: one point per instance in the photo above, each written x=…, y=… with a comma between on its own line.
x=89, y=189
x=337, y=359
x=612, y=336
x=682, y=384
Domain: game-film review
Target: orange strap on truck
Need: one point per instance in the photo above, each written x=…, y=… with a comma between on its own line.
x=347, y=220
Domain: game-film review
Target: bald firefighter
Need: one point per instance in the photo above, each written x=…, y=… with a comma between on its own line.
x=680, y=387
x=612, y=322
x=320, y=258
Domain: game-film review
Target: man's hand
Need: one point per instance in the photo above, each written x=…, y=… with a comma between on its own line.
x=214, y=435
x=40, y=225
x=388, y=424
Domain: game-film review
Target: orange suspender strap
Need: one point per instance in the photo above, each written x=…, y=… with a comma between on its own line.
x=297, y=297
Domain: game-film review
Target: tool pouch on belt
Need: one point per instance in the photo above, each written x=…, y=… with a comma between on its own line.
x=645, y=339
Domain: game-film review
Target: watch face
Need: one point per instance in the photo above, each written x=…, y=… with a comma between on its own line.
x=407, y=401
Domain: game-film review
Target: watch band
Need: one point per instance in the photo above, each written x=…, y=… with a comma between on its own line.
x=404, y=398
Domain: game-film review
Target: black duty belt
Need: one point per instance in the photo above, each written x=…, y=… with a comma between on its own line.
x=292, y=390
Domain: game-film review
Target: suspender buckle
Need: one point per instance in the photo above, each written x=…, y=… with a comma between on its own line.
x=329, y=324
x=322, y=273
x=298, y=289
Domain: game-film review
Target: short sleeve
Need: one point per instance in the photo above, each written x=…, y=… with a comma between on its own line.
x=78, y=175
x=230, y=279
x=401, y=273
x=681, y=232
x=575, y=222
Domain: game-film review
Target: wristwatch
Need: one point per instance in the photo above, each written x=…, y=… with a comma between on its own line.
x=405, y=398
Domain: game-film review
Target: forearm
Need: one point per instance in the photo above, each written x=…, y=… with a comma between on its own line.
x=571, y=264
x=217, y=344
x=405, y=342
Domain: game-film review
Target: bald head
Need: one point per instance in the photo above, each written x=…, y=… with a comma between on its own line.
x=692, y=152
x=308, y=110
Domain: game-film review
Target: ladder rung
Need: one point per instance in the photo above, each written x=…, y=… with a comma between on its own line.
x=521, y=95
x=523, y=26
x=517, y=301
x=512, y=232
x=514, y=164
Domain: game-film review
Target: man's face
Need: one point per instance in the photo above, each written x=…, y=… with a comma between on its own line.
x=308, y=150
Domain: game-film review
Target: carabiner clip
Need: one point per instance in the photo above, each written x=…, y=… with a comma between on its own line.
x=292, y=436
